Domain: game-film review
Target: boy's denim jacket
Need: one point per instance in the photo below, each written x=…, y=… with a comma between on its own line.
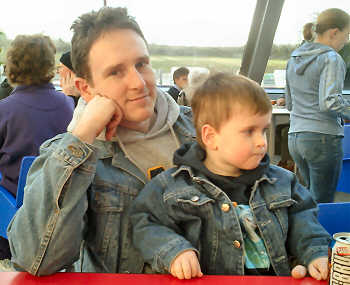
x=179, y=211
x=77, y=197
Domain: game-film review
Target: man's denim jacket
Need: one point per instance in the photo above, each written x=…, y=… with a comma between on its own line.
x=179, y=211
x=77, y=197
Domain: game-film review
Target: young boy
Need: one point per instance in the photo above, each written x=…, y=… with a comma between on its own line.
x=224, y=209
x=180, y=77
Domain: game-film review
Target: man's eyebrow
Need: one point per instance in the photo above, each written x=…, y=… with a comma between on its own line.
x=110, y=68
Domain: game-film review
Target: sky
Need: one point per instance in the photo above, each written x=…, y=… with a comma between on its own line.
x=175, y=22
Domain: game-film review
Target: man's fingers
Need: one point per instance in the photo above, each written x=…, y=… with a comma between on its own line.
x=299, y=271
x=111, y=128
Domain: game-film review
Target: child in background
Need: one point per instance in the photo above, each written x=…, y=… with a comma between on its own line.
x=224, y=209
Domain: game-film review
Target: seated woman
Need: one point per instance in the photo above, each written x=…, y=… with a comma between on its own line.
x=35, y=111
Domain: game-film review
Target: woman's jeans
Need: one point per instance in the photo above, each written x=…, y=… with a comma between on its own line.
x=319, y=158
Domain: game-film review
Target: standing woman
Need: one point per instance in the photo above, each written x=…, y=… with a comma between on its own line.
x=314, y=84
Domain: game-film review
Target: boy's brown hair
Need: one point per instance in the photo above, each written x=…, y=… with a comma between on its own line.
x=215, y=100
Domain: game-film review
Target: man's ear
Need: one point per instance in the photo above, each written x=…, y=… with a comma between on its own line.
x=84, y=88
x=209, y=137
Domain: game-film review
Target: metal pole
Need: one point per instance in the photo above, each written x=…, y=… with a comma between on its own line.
x=105, y=3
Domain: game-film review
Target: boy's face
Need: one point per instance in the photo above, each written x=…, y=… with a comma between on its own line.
x=121, y=70
x=181, y=81
x=239, y=144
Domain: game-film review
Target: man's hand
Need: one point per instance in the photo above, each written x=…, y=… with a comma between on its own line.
x=67, y=84
x=100, y=113
x=186, y=266
x=318, y=269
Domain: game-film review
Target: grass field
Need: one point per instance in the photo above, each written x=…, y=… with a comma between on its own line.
x=164, y=63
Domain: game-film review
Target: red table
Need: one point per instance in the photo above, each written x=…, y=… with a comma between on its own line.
x=22, y=278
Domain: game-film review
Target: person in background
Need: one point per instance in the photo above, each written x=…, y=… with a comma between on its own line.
x=5, y=88
x=314, y=84
x=35, y=111
x=67, y=77
x=180, y=82
x=224, y=209
x=84, y=180
x=195, y=78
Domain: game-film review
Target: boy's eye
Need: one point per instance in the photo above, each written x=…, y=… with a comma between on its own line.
x=249, y=131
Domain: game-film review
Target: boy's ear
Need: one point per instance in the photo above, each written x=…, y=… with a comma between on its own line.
x=84, y=88
x=209, y=137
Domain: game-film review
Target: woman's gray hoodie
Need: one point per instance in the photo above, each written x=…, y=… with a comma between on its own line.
x=314, y=84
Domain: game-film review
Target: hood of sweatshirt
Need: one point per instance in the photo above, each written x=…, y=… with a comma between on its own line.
x=303, y=56
x=191, y=154
x=167, y=112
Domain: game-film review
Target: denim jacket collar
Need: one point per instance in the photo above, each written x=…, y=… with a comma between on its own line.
x=272, y=197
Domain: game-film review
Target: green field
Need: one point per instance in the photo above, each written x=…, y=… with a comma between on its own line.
x=164, y=63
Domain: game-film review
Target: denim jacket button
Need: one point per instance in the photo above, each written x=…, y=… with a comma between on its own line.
x=225, y=207
x=195, y=199
x=236, y=244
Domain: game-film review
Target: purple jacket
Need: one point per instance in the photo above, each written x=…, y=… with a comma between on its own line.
x=28, y=117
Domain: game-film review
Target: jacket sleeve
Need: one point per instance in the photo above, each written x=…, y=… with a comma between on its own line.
x=307, y=239
x=287, y=94
x=331, y=87
x=46, y=233
x=156, y=231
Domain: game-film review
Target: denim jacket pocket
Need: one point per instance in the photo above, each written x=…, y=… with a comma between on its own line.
x=194, y=201
x=280, y=209
x=105, y=199
x=106, y=214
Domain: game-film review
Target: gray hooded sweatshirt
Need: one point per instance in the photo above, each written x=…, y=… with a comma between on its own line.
x=314, y=84
x=146, y=150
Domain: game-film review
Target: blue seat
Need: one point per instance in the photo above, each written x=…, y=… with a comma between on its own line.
x=8, y=203
x=346, y=141
x=344, y=179
x=334, y=217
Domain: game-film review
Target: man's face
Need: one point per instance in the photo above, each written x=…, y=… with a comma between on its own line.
x=120, y=70
x=181, y=81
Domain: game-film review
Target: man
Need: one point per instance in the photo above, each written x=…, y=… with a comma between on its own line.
x=67, y=77
x=5, y=88
x=80, y=187
x=180, y=76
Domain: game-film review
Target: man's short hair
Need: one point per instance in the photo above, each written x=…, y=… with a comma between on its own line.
x=89, y=27
x=30, y=60
x=220, y=95
x=182, y=71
